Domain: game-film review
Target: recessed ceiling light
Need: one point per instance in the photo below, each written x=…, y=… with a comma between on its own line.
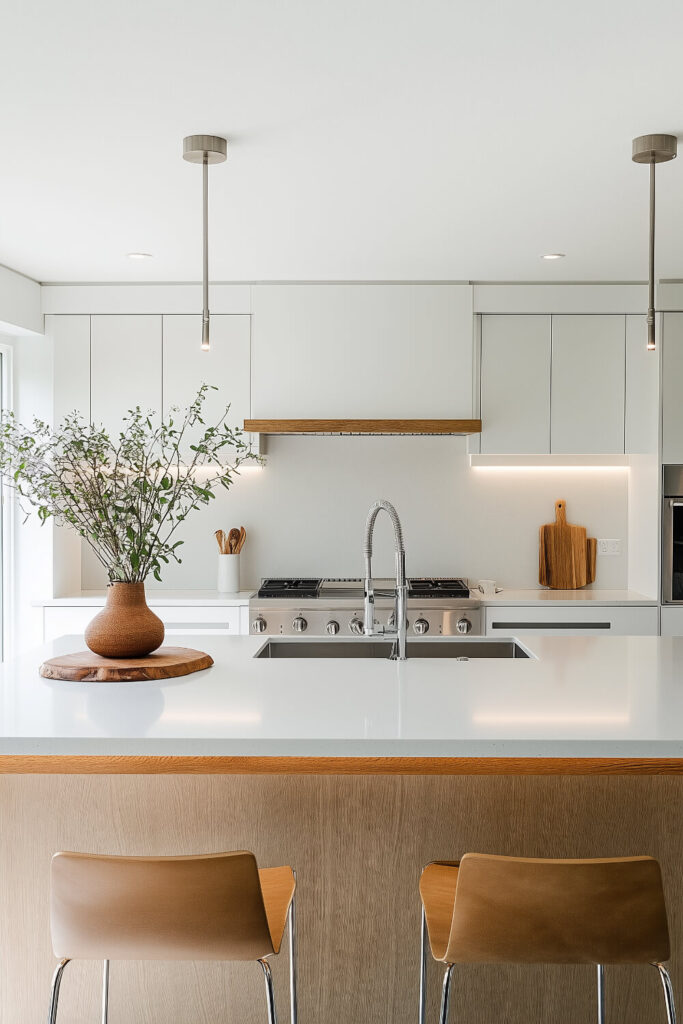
x=553, y=256
x=140, y=256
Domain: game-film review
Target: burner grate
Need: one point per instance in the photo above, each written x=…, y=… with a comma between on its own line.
x=289, y=587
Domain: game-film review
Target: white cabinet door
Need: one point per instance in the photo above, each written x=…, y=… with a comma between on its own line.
x=583, y=621
x=70, y=336
x=587, y=384
x=366, y=351
x=515, y=384
x=672, y=621
x=125, y=367
x=672, y=388
x=642, y=390
x=225, y=366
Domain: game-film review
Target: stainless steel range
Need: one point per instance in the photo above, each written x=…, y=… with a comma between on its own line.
x=334, y=607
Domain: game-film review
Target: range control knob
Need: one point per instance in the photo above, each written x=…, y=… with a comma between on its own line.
x=299, y=625
x=421, y=626
x=356, y=625
x=463, y=625
x=332, y=627
x=259, y=625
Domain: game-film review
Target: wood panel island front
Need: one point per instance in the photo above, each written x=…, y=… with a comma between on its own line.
x=357, y=772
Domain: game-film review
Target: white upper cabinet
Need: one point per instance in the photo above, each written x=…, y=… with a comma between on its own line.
x=672, y=388
x=70, y=335
x=225, y=366
x=361, y=351
x=515, y=384
x=125, y=367
x=587, y=384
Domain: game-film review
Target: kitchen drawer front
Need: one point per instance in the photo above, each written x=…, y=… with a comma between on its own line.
x=672, y=620
x=197, y=619
x=61, y=619
x=583, y=621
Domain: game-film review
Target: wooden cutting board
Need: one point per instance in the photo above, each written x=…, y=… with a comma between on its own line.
x=166, y=663
x=566, y=556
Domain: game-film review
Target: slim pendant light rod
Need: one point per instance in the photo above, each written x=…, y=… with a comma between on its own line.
x=205, y=242
x=653, y=149
x=205, y=150
x=651, y=272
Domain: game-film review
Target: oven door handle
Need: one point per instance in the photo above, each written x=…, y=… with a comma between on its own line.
x=675, y=504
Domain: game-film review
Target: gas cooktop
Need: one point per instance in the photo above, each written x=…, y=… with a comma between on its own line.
x=429, y=588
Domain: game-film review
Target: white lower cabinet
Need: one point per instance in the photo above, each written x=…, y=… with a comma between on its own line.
x=582, y=621
x=672, y=620
x=60, y=620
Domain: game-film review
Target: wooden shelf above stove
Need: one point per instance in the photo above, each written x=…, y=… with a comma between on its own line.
x=452, y=427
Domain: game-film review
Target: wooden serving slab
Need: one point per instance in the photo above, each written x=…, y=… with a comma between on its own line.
x=165, y=663
x=566, y=556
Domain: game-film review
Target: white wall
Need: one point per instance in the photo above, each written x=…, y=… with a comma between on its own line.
x=32, y=547
x=305, y=513
x=20, y=303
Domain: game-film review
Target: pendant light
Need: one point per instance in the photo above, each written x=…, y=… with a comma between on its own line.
x=205, y=150
x=653, y=149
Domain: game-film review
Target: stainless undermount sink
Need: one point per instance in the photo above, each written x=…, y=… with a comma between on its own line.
x=460, y=650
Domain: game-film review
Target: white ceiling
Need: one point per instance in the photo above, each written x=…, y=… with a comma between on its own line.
x=370, y=139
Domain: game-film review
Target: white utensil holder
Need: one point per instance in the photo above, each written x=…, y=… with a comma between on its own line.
x=228, y=574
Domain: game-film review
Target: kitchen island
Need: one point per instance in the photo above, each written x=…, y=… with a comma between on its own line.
x=578, y=699
x=357, y=772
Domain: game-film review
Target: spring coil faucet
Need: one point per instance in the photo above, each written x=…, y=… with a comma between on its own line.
x=369, y=628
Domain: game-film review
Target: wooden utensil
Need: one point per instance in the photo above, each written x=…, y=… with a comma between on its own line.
x=566, y=559
x=220, y=537
x=233, y=541
x=243, y=537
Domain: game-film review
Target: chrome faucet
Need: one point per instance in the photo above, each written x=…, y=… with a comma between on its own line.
x=399, y=629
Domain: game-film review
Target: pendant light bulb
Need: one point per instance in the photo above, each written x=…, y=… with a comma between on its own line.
x=205, y=150
x=652, y=150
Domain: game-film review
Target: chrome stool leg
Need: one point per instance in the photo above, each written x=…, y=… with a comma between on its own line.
x=601, y=994
x=424, y=941
x=270, y=997
x=293, y=1005
x=105, y=992
x=54, y=992
x=445, y=994
x=668, y=993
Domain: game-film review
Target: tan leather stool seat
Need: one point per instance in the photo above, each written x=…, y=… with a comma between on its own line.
x=525, y=910
x=215, y=907
x=490, y=909
x=209, y=907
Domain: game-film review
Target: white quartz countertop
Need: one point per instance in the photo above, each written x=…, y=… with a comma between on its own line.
x=155, y=598
x=568, y=597
x=576, y=697
x=160, y=598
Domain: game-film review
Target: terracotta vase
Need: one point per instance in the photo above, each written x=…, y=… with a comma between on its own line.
x=126, y=627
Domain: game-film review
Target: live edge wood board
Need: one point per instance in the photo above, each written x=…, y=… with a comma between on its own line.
x=16, y=764
x=363, y=426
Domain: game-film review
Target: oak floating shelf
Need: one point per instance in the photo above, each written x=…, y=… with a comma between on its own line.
x=453, y=427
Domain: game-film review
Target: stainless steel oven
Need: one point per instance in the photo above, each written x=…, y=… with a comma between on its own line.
x=672, y=535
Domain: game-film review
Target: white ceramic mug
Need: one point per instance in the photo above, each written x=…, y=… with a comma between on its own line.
x=228, y=574
x=487, y=588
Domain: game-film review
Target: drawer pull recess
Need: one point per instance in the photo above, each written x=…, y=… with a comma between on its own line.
x=551, y=625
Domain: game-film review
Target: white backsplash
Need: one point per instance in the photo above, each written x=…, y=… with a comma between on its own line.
x=305, y=512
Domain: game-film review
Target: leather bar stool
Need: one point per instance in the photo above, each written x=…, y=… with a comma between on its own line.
x=517, y=910
x=215, y=907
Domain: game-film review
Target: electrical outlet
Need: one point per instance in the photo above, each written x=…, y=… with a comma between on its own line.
x=609, y=546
